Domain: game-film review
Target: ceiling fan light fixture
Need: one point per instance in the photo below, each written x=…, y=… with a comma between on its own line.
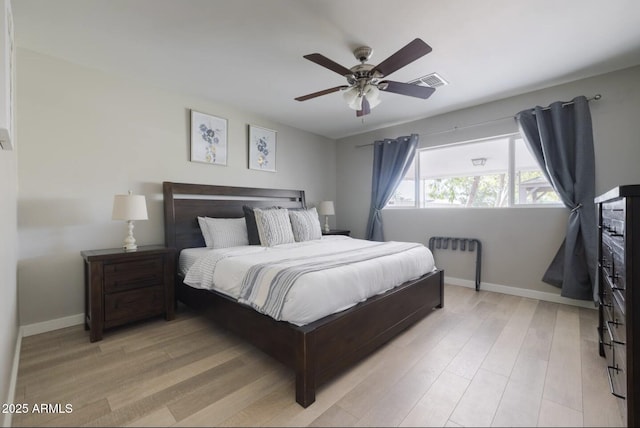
x=356, y=104
x=373, y=95
x=350, y=94
x=354, y=100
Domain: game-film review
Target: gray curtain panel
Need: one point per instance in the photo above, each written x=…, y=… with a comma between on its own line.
x=561, y=138
x=391, y=161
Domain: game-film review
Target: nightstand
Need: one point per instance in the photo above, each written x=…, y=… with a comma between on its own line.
x=125, y=286
x=337, y=232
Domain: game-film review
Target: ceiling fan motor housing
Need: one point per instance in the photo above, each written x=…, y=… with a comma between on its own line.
x=363, y=53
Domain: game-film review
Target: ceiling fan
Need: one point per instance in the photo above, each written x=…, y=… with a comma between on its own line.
x=365, y=80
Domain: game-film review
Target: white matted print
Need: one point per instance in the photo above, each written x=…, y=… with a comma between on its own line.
x=262, y=149
x=208, y=138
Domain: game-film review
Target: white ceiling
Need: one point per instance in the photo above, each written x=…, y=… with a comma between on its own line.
x=248, y=53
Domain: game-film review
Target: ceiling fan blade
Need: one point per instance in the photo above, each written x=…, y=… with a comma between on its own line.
x=366, y=109
x=320, y=93
x=327, y=63
x=406, y=55
x=409, y=89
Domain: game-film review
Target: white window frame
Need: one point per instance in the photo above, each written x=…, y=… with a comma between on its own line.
x=511, y=173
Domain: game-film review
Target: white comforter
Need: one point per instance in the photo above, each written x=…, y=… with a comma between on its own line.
x=315, y=294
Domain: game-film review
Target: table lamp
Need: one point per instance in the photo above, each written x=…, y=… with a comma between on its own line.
x=129, y=208
x=326, y=209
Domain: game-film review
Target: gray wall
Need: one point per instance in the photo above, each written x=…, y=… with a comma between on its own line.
x=86, y=136
x=8, y=260
x=518, y=243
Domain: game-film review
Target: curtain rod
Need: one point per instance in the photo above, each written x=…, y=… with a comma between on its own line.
x=596, y=97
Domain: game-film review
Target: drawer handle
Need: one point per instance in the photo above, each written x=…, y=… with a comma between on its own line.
x=604, y=300
x=615, y=394
x=608, y=273
x=612, y=231
x=615, y=324
x=133, y=280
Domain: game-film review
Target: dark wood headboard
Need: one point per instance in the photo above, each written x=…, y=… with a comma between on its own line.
x=184, y=202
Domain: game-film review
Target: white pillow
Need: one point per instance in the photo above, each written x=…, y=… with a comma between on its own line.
x=305, y=225
x=274, y=227
x=205, y=232
x=223, y=232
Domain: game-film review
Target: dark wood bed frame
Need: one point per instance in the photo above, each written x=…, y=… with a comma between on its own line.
x=316, y=351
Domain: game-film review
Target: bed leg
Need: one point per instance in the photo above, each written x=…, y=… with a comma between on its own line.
x=305, y=370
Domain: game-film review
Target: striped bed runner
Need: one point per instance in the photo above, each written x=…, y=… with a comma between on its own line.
x=265, y=286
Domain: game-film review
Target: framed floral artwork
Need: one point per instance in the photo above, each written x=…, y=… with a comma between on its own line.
x=208, y=138
x=262, y=149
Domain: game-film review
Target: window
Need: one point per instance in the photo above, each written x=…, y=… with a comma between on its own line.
x=493, y=172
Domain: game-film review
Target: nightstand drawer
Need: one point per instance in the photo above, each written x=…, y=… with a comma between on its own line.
x=123, y=286
x=133, y=274
x=131, y=305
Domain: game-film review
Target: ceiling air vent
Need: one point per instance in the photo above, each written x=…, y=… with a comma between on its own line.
x=432, y=80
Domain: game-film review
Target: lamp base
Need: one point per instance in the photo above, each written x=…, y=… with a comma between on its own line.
x=130, y=241
x=326, y=228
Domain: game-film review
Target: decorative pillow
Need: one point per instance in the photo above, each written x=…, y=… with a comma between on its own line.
x=305, y=225
x=225, y=232
x=274, y=227
x=252, y=227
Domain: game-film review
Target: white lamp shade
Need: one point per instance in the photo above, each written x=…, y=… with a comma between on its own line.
x=129, y=207
x=326, y=208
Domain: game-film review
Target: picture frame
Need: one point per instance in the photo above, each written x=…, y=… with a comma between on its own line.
x=208, y=138
x=262, y=148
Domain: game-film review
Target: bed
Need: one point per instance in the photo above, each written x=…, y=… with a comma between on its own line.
x=316, y=351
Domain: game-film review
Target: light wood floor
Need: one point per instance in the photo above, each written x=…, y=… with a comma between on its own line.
x=484, y=359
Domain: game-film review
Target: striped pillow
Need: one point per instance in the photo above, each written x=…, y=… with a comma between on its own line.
x=305, y=225
x=224, y=232
x=274, y=227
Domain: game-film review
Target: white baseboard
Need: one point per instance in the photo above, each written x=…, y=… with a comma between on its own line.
x=30, y=330
x=521, y=292
x=56, y=324
x=13, y=380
